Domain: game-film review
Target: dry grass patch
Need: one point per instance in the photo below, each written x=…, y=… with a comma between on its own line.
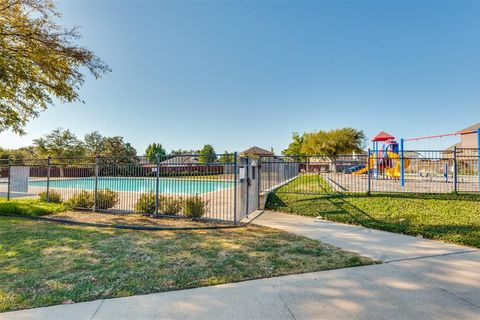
x=43, y=263
x=132, y=219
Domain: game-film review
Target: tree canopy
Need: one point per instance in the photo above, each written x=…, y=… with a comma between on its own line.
x=58, y=144
x=39, y=60
x=153, y=150
x=18, y=154
x=226, y=157
x=295, y=147
x=64, y=144
x=331, y=143
x=207, y=154
x=116, y=147
x=94, y=144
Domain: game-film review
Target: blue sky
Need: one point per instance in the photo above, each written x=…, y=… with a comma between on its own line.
x=236, y=74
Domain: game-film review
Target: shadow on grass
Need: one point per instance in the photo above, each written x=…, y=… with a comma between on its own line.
x=387, y=215
x=423, y=196
x=475, y=197
x=44, y=263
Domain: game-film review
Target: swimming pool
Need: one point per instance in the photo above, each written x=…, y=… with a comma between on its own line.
x=168, y=186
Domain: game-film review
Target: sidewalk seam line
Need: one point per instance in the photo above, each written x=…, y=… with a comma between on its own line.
x=432, y=256
x=437, y=287
x=284, y=303
x=98, y=308
x=456, y=296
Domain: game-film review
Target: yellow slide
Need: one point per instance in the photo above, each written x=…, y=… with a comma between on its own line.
x=364, y=170
x=392, y=172
x=395, y=171
x=361, y=171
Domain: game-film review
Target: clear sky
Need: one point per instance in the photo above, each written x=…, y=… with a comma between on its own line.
x=237, y=74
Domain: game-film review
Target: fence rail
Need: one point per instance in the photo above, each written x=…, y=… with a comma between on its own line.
x=171, y=185
x=186, y=185
x=420, y=171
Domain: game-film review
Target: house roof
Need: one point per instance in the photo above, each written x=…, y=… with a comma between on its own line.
x=181, y=160
x=458, y=144
x=383, y=136
x=412, y=154
x=257, y=151
x=468, y=130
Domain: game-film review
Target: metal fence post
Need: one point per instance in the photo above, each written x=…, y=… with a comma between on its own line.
x=259, y=183
x=8, y=181
x=369, y=178
x=402, y=166
x=157, y=185
x=455, y=169
x=235, y=178
x=48, y=178
x=478, y=157
x=96, y=185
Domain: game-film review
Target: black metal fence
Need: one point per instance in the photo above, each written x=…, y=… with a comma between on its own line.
x=416, y=171
x=227, y=187
x=180, y=185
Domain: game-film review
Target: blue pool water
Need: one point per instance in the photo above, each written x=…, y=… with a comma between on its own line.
x=171, y=186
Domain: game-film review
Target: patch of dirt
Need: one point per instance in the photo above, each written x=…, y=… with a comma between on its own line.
x=132, y=220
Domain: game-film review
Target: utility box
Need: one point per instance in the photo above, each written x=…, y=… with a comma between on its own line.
x=19, y=178
x=242, y=174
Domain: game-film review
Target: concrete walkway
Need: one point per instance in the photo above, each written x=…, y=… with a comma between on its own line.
x=421, y=279
x=376, y=244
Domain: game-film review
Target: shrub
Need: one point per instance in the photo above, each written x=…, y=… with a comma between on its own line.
x=106, y=199
x=146, y=203
x=81, y=199
x=53, y=196
x=170, y=206
x=195, y=207
x=29, y=207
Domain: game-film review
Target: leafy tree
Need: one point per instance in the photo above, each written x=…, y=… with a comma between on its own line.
x=295, y=147
x=38, y=61
x=207, y=154
x=153, y=150
x=118, y=158
x=333, y=143
x=58, y=144
x=17, y=154
x=4, y=154
x=116, y=147
x=94, y=144
x=226, y=157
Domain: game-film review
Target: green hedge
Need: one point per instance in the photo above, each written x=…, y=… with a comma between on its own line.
x=29, y=207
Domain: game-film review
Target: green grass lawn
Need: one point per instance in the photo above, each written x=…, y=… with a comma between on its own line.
x=28, y=207
x=449, y=217
x=43, y=263
x=307, y=183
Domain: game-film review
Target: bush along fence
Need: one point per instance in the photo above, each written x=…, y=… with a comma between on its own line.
x=229, y=187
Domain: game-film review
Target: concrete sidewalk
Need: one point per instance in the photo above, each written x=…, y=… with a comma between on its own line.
x=422, y=279
x=376, y=244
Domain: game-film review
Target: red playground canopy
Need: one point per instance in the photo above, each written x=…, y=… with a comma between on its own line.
x=383, y=136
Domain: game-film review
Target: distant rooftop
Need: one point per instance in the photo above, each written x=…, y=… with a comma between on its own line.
x=257, y=151
x=470, y=129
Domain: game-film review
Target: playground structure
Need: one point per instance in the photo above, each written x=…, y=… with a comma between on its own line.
x=389, y=160
x=386, y=159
